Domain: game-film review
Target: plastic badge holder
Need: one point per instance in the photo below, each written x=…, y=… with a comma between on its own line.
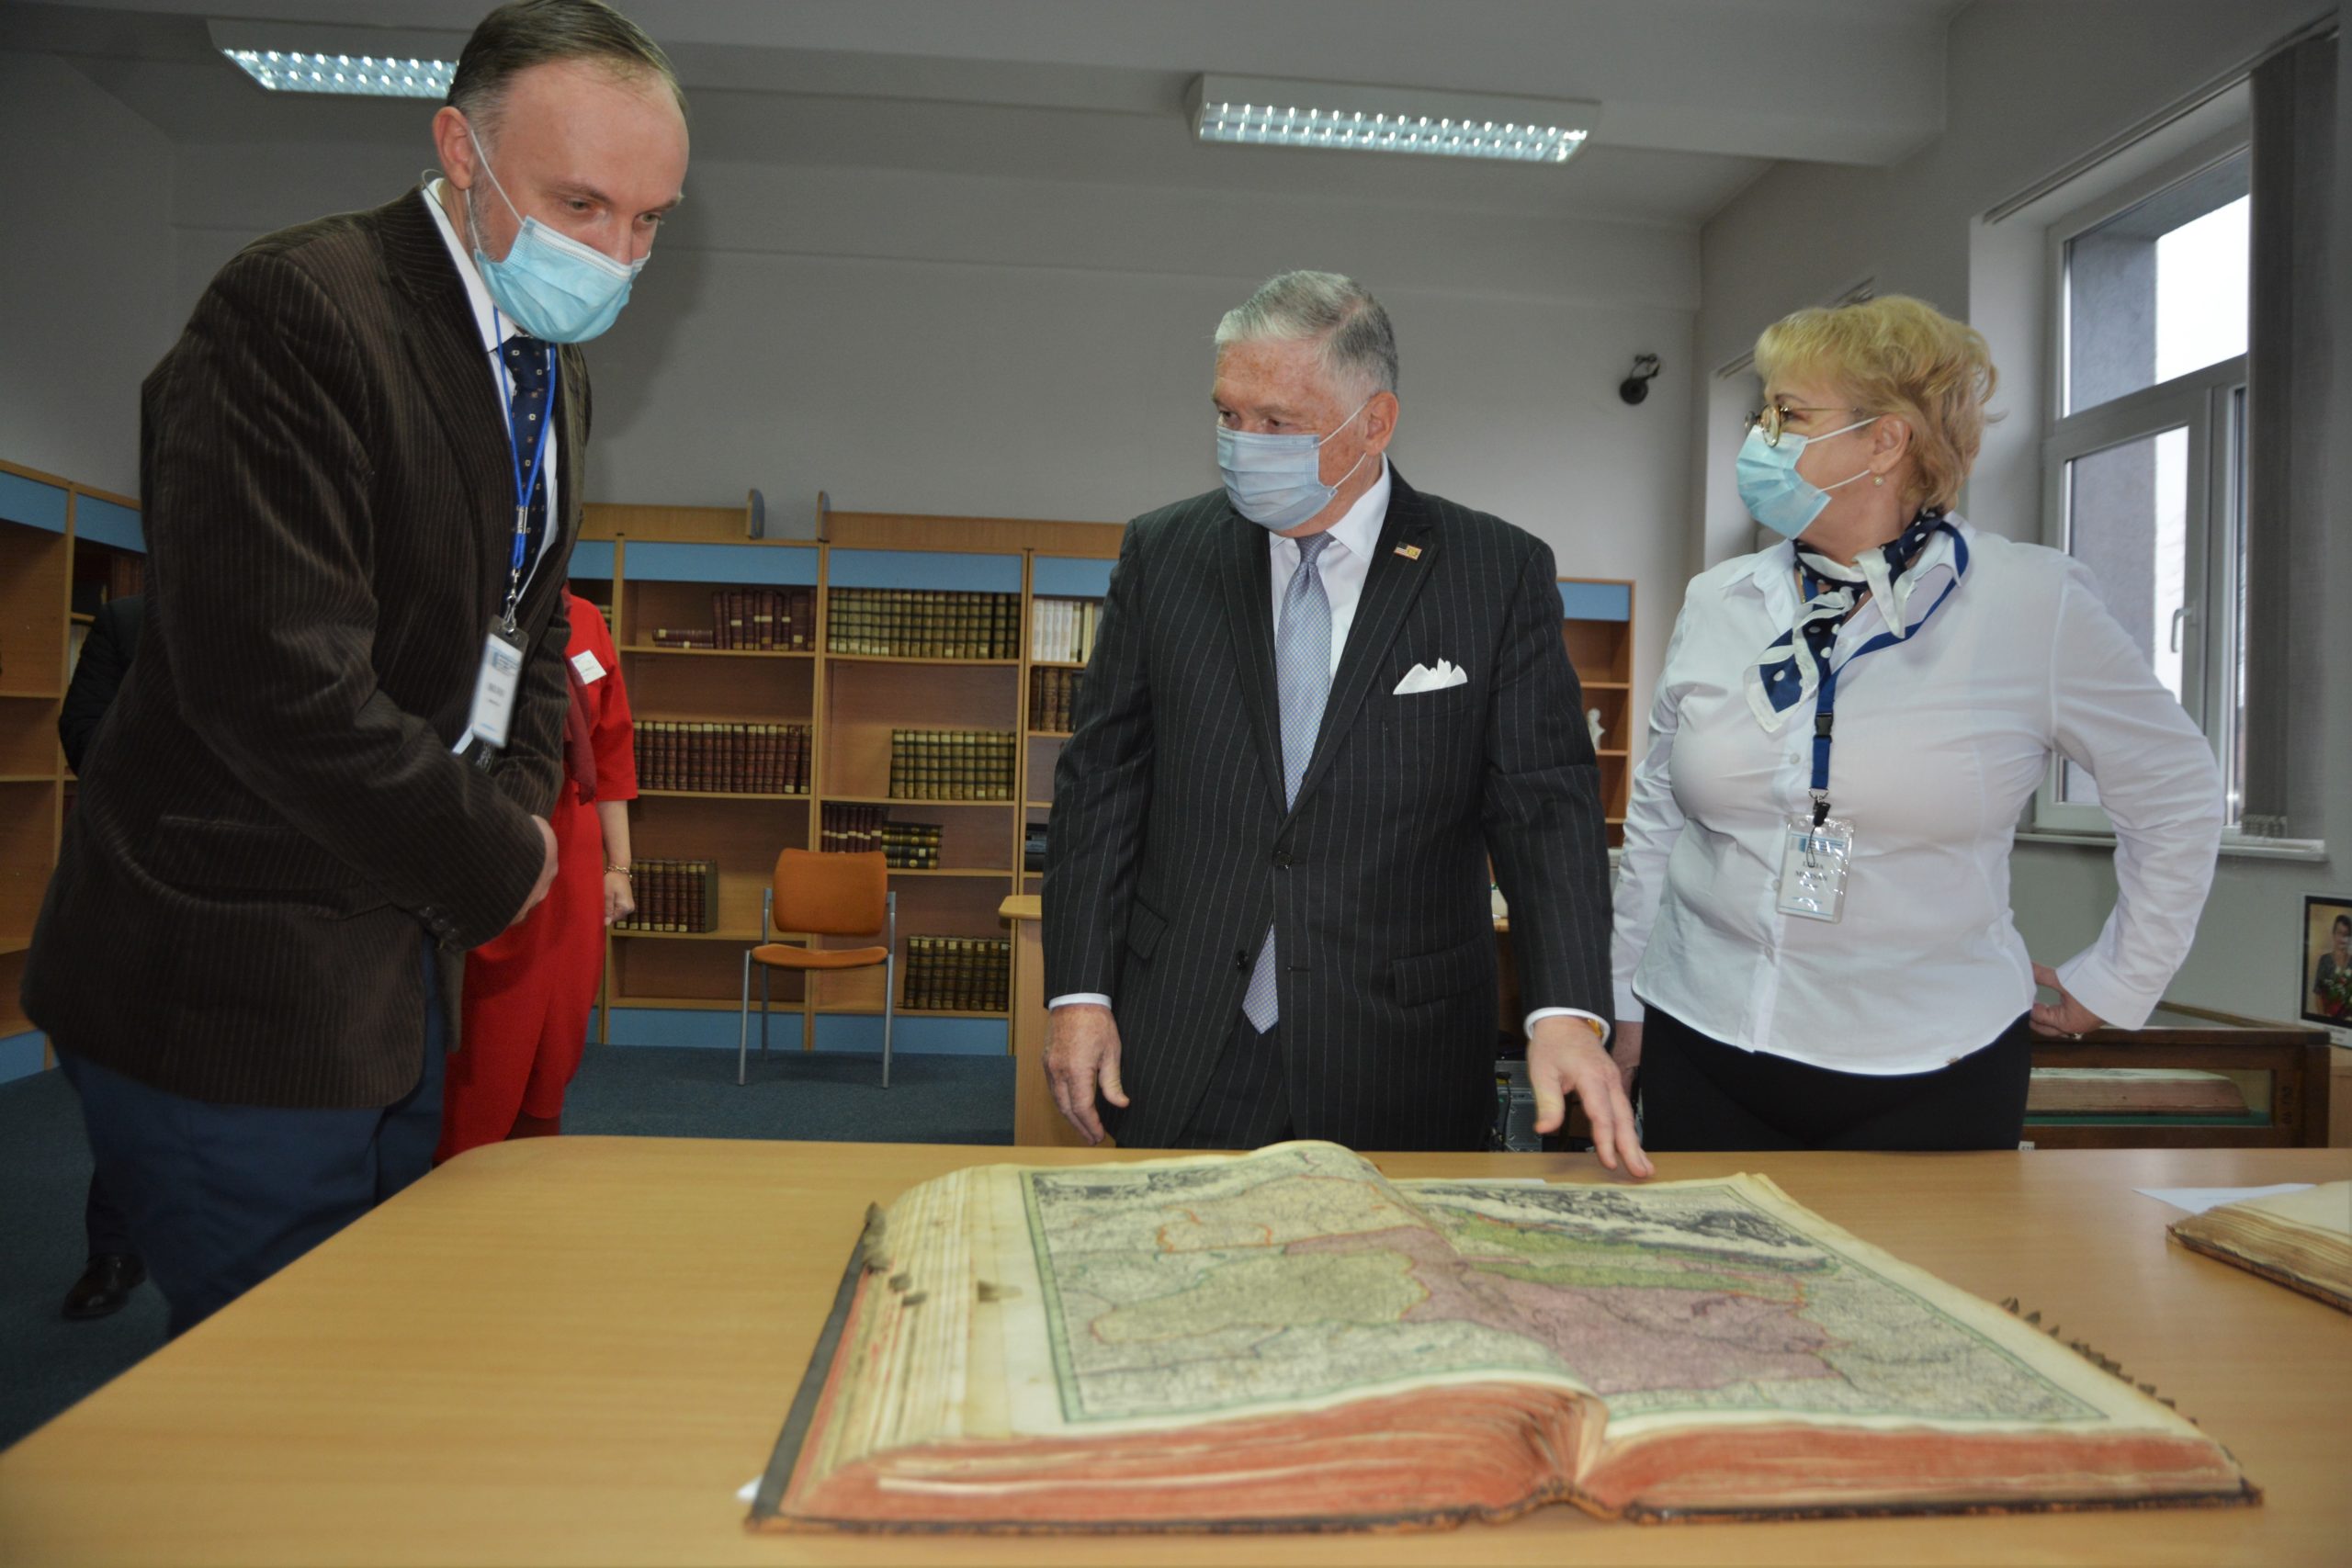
x=1813, y=863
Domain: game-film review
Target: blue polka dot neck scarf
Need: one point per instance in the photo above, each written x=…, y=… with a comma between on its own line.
x=1788, y=672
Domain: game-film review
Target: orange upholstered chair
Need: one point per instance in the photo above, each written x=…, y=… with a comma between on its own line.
x=822, y=894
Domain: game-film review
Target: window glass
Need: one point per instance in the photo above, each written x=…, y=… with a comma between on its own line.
x=2159, y=289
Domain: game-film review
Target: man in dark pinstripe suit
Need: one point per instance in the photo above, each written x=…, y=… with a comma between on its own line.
x=246, y=956
x=1318, y=703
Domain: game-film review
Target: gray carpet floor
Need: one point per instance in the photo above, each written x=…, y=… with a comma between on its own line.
x=47, y=1363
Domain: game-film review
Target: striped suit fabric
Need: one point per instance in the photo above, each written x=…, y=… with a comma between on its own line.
x=1172, y=850
x=273, y=818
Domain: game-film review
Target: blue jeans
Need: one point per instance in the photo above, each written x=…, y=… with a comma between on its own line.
x=217, y=1198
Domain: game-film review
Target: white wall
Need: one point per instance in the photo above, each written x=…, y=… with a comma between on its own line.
x=83, y=314
x=2032, y=87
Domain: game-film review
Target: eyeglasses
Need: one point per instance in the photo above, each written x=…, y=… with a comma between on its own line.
x=1773, y=417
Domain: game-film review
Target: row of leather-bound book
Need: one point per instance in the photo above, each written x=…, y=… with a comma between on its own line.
x=952, y=764
x=854, y=829
x=674, y=895
x=1052, y=695
x=958, y=973
x=916, y=623
x=722, y=758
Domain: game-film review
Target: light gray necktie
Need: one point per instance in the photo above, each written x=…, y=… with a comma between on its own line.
x=1303, y=677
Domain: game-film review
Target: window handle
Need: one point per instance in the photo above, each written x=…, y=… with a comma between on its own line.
x=2179, y=617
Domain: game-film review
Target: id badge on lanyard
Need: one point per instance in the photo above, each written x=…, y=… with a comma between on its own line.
x=496, y=684
x=1813, y=863
x=499, y=681
x=1817, y=849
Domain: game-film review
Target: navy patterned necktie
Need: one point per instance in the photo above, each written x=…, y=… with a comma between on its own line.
x=528, y=361
x=1303, y=677
x=1788, y=672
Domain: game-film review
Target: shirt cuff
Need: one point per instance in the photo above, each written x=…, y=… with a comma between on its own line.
x=1599, y=1025
x=1090, y=999
x=2090, y=981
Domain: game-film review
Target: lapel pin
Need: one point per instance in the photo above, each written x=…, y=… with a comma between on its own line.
x=1410, y=552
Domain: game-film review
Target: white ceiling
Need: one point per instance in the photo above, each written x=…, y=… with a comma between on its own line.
x=1698, y=96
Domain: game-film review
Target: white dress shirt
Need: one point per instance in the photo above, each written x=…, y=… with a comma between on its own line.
x=1343, y=565
x=1941, y=740
x=492, y=328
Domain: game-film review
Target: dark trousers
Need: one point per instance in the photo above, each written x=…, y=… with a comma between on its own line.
x=103, y=1223
x=1698, y=1093
x=1245, y=1105
x=217, y=1198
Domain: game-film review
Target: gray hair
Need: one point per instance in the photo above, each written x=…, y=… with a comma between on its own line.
x=524, y=33
x=1359, y=345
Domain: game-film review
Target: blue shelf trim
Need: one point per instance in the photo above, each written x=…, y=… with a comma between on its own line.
x=835, y=1032
x=923, y=569
x=593, y=558
x=31, y=502
x=20, y=1055
x=912, y=1032
x=1068, y=577
x=1596, y=602
x=107, y=524
x=788, y=565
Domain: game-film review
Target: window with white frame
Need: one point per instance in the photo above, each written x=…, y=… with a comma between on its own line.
x=2144, y=448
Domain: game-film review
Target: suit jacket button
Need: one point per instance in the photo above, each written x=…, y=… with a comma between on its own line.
x=1282, y=860
x=1241, y=958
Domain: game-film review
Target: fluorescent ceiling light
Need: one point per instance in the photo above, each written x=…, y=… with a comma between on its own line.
x=1260, y=112
x=377, y=63
x=292, y=71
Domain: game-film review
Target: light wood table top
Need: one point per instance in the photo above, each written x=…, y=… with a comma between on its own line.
x=575, y=1349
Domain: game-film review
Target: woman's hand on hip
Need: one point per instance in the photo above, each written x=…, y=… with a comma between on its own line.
x=2064, y=1019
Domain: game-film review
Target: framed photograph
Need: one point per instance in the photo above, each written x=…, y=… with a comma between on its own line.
x=2326, y=977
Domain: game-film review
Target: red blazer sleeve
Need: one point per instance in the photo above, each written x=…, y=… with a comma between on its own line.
x=612, y=735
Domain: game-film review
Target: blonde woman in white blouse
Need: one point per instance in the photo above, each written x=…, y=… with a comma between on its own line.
x=1813, y=945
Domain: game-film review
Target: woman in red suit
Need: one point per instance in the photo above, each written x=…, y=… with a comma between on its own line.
x=529, y=990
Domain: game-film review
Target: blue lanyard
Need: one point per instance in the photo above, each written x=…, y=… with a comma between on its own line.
x=1825, y=716
x=525, y=482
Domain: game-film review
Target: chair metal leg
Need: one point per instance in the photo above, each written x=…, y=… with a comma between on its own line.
x=889, y=1003
x=763, y=1012
x=889, y=977
x=743, y=1022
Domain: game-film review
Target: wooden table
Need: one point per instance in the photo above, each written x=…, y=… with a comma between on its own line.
x=575, y=1349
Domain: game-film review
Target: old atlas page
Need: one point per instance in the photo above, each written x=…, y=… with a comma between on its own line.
x=1289, y=1338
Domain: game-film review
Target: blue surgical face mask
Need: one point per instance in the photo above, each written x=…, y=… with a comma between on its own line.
x=1770, y=486
x=553, y=287
x=1276, y=482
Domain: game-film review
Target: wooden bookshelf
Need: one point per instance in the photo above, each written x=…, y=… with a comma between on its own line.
x=1061, y=574
x=1597, y=627
x=658, y=567
x=60, y=542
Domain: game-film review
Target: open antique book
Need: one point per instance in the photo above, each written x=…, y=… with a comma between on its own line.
x=1287, y=1339
x=2303, y=1240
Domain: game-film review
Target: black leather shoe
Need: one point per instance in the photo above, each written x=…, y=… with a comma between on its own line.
x=105, y=1285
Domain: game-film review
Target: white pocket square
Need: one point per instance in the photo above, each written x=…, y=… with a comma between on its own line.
x=1431, y=678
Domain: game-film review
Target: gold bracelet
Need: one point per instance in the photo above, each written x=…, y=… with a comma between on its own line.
x=621, y=869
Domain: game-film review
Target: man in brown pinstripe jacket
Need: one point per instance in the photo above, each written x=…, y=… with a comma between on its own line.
x=1262, y=925
x=247, y=955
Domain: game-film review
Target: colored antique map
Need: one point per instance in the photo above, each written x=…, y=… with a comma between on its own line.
x=1302, y=1275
